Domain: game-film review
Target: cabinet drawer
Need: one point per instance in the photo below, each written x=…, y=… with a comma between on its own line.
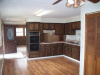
x=68, y=45
x=73, y=46
x=33, y=56
x=34, y=52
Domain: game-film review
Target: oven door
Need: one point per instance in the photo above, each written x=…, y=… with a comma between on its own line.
x=34, y=47
x=34, y=39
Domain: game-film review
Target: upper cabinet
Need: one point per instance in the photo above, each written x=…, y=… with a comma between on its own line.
x=33, y=26
x=73, y=28
x=49, y=26
x=78, y=25
x=59, y=29
x=70, y=28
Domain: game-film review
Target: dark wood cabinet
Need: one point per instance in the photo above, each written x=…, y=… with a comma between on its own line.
x=48, y=26
x=33, y=54
x=78, y=25
x=70, y=28
x=60, y=49
x=51, y=49
x=52, y=26
x=67, y=29
x=41, y=32
x=68, y=50
x=59, y=29
x=33, y=26
x=42, y=51
x=73, y=28
x=76, y=52
x=72, y=51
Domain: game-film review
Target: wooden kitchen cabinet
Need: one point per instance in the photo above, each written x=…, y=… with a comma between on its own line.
x=78, y=25
x=76, y=52
x=69, y=50
x=41, y=32
x=33, y=54
x=73, y=28
x=59, y=29
x=42, y=51
x=47, y=50
x=52, y=26
x=33, y=26
x=49, y=26
x=67, y=29
x=55, y=49
x=72, y=51
x=60, y=49
x=46, y=26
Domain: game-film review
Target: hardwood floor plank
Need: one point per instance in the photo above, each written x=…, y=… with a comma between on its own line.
x=48, y=66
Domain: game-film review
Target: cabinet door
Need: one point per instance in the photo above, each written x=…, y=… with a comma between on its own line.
x=61, y=29
x=34, y=26
x=60, y=50
x=46, y=26
x=42, y=52
x=68, y=51
x=55, y=50
x=52, y=26
x=74, y=52
x=68, y=29
x=57, y=29
x=48, y=51
x=41, y=33
x=73, y=28
x=78, y=26
x=64, y=49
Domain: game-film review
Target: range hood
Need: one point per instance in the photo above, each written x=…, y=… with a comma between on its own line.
x=48, y=31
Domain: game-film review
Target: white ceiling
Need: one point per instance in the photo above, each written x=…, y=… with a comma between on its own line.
x=28, y=8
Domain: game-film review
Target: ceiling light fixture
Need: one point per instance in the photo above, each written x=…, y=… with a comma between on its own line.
x=43, y=12
x=75, y=3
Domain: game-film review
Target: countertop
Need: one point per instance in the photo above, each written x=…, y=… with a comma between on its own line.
x=60, y=42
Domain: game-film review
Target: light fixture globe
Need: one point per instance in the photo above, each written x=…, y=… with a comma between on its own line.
x=68, y=5
x=75, y=4
x=82, y=2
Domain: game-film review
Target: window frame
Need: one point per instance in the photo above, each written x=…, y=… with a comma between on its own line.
x=23, y=31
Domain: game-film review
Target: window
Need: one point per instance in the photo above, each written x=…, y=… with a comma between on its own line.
x=19, y=32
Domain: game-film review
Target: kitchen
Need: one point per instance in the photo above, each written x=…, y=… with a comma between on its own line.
x=65, y=38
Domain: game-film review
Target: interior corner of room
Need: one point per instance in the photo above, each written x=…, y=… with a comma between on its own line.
x=50, y=37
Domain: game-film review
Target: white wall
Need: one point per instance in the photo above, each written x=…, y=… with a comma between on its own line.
x=1, y=50
x=72, y=19
x=87, y=8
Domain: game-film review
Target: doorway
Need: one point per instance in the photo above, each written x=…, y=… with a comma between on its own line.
x=15, y=41
x=21, y=39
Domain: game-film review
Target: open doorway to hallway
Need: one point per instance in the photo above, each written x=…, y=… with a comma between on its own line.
x=21, y=40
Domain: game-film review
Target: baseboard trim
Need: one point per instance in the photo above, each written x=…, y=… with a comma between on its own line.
x=53, y=57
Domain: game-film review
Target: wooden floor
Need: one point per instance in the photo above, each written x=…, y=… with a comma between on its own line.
x=48, y=66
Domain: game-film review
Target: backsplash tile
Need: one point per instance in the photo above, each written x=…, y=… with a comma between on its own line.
x=74, y=37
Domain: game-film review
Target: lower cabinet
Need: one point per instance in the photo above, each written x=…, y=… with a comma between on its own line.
x=72, y=51
x=33, y=54
x=51, y=49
